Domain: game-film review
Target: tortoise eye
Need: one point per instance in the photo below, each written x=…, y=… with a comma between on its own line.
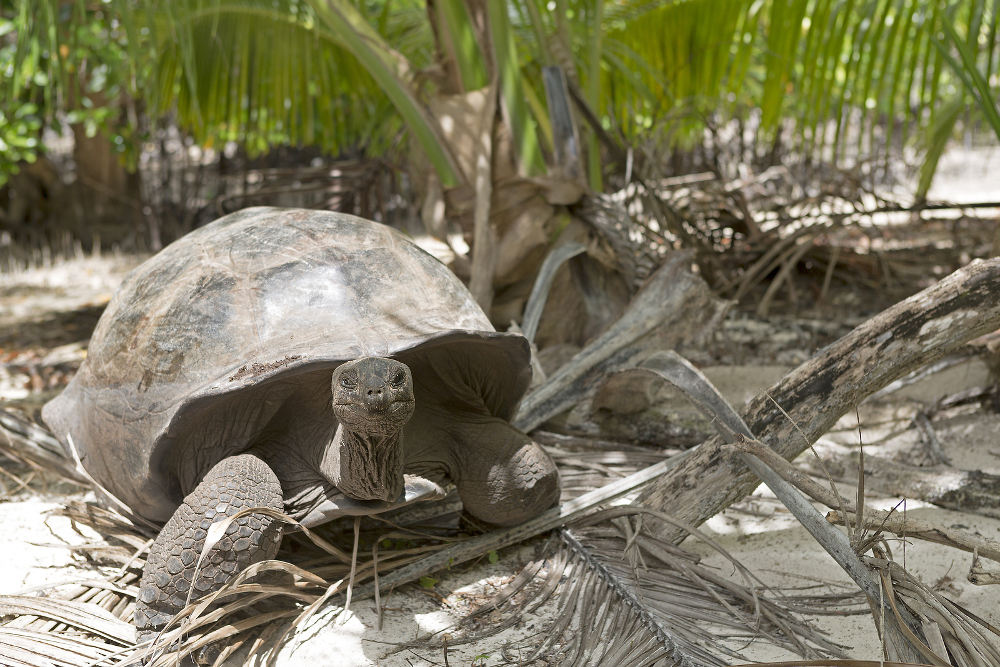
x=349, y=382
x=398, y=380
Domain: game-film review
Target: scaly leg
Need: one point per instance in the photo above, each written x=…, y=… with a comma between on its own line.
x=502, y=475
x=234, y=484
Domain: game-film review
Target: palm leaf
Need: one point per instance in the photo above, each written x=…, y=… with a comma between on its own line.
x=341, y=75
x=459, y=38
x=937, y=140
x=806, y=64
x=513, y=91
x=967, y=70
x=290, y=71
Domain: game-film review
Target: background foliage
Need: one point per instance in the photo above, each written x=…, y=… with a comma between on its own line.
x=64, y=64
x=833, y=80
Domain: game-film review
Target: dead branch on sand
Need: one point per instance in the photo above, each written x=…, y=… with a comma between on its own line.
x=915, y=622
x=807, y=402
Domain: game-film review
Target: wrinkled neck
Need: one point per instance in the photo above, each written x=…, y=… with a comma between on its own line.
x=366, y=466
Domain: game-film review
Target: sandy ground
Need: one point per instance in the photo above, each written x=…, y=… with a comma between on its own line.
x=33, y=546
x=33, y=550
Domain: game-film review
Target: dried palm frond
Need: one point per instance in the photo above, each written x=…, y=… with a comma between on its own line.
x=953, y=634
x=282, y=593
x=23, y=440
x=259, y=611
x=655, y=597
x=629, y=598
x=582, y=471
x=604, y=620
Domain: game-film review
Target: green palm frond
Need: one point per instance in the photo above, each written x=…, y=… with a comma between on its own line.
x=848, y=76
x=967, y=67
x=972, y=67
x=291, y=71
x=336, y=74
x=459, y=39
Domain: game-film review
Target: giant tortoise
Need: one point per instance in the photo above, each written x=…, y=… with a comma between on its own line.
x=305, y=361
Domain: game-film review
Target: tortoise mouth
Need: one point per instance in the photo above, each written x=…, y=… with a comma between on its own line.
x=373, y=419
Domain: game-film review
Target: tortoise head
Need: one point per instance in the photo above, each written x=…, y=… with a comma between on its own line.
x=372, y=400
x=373, y=395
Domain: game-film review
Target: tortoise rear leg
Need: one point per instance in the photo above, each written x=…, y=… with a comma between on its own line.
x=502, y=475
x=233, y=484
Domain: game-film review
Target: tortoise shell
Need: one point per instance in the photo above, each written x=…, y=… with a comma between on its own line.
x=199, y=346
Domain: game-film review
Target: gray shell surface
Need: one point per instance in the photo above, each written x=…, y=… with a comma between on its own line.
x=199, y=340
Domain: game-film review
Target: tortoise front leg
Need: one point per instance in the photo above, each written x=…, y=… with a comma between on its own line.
x=233, y=484
x=502, y=475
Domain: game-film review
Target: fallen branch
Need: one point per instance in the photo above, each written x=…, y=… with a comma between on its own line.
x=901, y=630
x=805, y=404
x=893, y=522
x=675, y=304
x=914, y=622
x=966, y=490
x=906, y=526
